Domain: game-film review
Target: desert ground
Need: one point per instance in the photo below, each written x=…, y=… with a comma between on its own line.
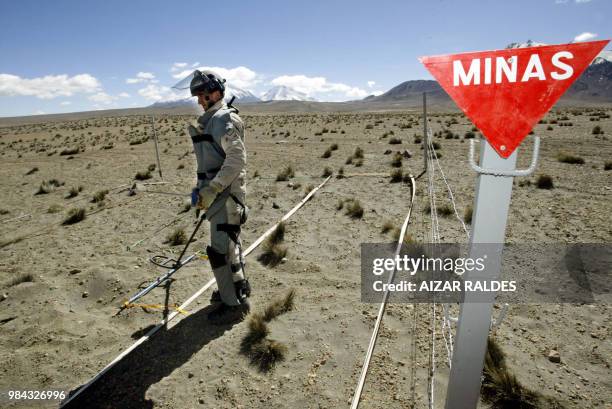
x=63, y=283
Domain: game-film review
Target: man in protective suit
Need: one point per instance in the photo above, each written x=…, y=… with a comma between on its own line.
x=218, y=142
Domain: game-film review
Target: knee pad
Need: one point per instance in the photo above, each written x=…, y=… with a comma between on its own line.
x=216, y=259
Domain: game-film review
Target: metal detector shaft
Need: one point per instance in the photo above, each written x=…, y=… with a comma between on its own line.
x=178, y=261
x=170, y=272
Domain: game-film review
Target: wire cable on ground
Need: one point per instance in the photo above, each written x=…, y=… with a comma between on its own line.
x=383, y=305
x=183, y=306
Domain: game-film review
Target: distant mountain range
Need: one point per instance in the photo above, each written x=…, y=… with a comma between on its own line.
x=593, y=86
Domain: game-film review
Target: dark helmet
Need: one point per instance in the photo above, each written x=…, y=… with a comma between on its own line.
x=206, y=81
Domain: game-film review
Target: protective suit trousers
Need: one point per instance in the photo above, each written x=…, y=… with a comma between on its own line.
x=224, y=252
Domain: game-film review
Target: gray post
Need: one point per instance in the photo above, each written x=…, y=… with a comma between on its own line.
x=156, y=147
x=491, y=206
x=425, y=141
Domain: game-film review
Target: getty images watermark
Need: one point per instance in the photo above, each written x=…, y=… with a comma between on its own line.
x=529, y=273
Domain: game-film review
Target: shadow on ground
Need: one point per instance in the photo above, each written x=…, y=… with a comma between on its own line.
x=125, y=385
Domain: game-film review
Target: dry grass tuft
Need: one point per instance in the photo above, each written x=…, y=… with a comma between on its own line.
x=177, y=237
x=354, y=209
x=265, y=353
x=571, y=159
x=75, y=215
x=467, y=215
x=500, y=387
x=99, y=196
x=22, y=278
x=280, y=306
x=278, y=235
x=396, y=176
x=272, y=254
x=545, y=182
x=396, y=162
x=285, y=174
x=257, y=331
x=143, y=175
x=387, y=227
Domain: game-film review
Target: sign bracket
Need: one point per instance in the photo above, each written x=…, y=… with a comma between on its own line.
x=502, y=172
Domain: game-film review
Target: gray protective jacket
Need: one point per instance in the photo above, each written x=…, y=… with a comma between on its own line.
x=224, y=159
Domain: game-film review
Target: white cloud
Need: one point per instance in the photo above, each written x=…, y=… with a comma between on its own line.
x=49, y=86
x=371, y=83
x=102, y=98
x=583, y=1
x=142, y=77
x=178, y=66
x=124, y=95
x=320, y=85
x=561, y=1
x=241, y=77
x=584, y=37
x=64, y=103
x=39, y=112
x=154, y=92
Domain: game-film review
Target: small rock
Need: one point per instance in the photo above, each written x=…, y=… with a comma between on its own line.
x=4, y=297
x=407, y=154
x=554, y=356
x=388, y=152
x=85, y=294
x=75, y=271
x=275, y=206
x=189, y=375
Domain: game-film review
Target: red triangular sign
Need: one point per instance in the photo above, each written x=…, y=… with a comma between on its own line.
x=506, y=92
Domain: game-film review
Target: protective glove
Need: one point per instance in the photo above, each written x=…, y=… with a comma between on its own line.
x=208, y=194
x=194, y=130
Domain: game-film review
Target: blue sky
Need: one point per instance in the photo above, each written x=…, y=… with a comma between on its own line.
x=66, y=56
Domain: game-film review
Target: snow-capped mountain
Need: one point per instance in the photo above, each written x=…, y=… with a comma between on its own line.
x=283, y=93
x=242, y=96
x=605, y=55
x=529, y=43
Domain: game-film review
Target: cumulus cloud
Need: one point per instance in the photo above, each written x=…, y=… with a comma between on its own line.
x=371, y=83
x=320, y=85
x=124, y=95
x=65, y=103
x=153, y=92
x=583, y=1
x=142, y=77
x=102, y=98
x=49, y=86
x=178, y=66
x=241, y=77
x=586, y=36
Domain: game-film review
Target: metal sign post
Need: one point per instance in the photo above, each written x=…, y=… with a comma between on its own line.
x=156, y=147
x=425, y=140
x=491, y=206
x=505, y=108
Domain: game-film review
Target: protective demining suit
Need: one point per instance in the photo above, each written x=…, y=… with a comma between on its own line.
x=221, y=157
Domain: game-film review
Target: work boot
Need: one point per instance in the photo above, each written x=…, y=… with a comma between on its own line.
x=243, y=290
x=215, y=297
x=225, y=314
